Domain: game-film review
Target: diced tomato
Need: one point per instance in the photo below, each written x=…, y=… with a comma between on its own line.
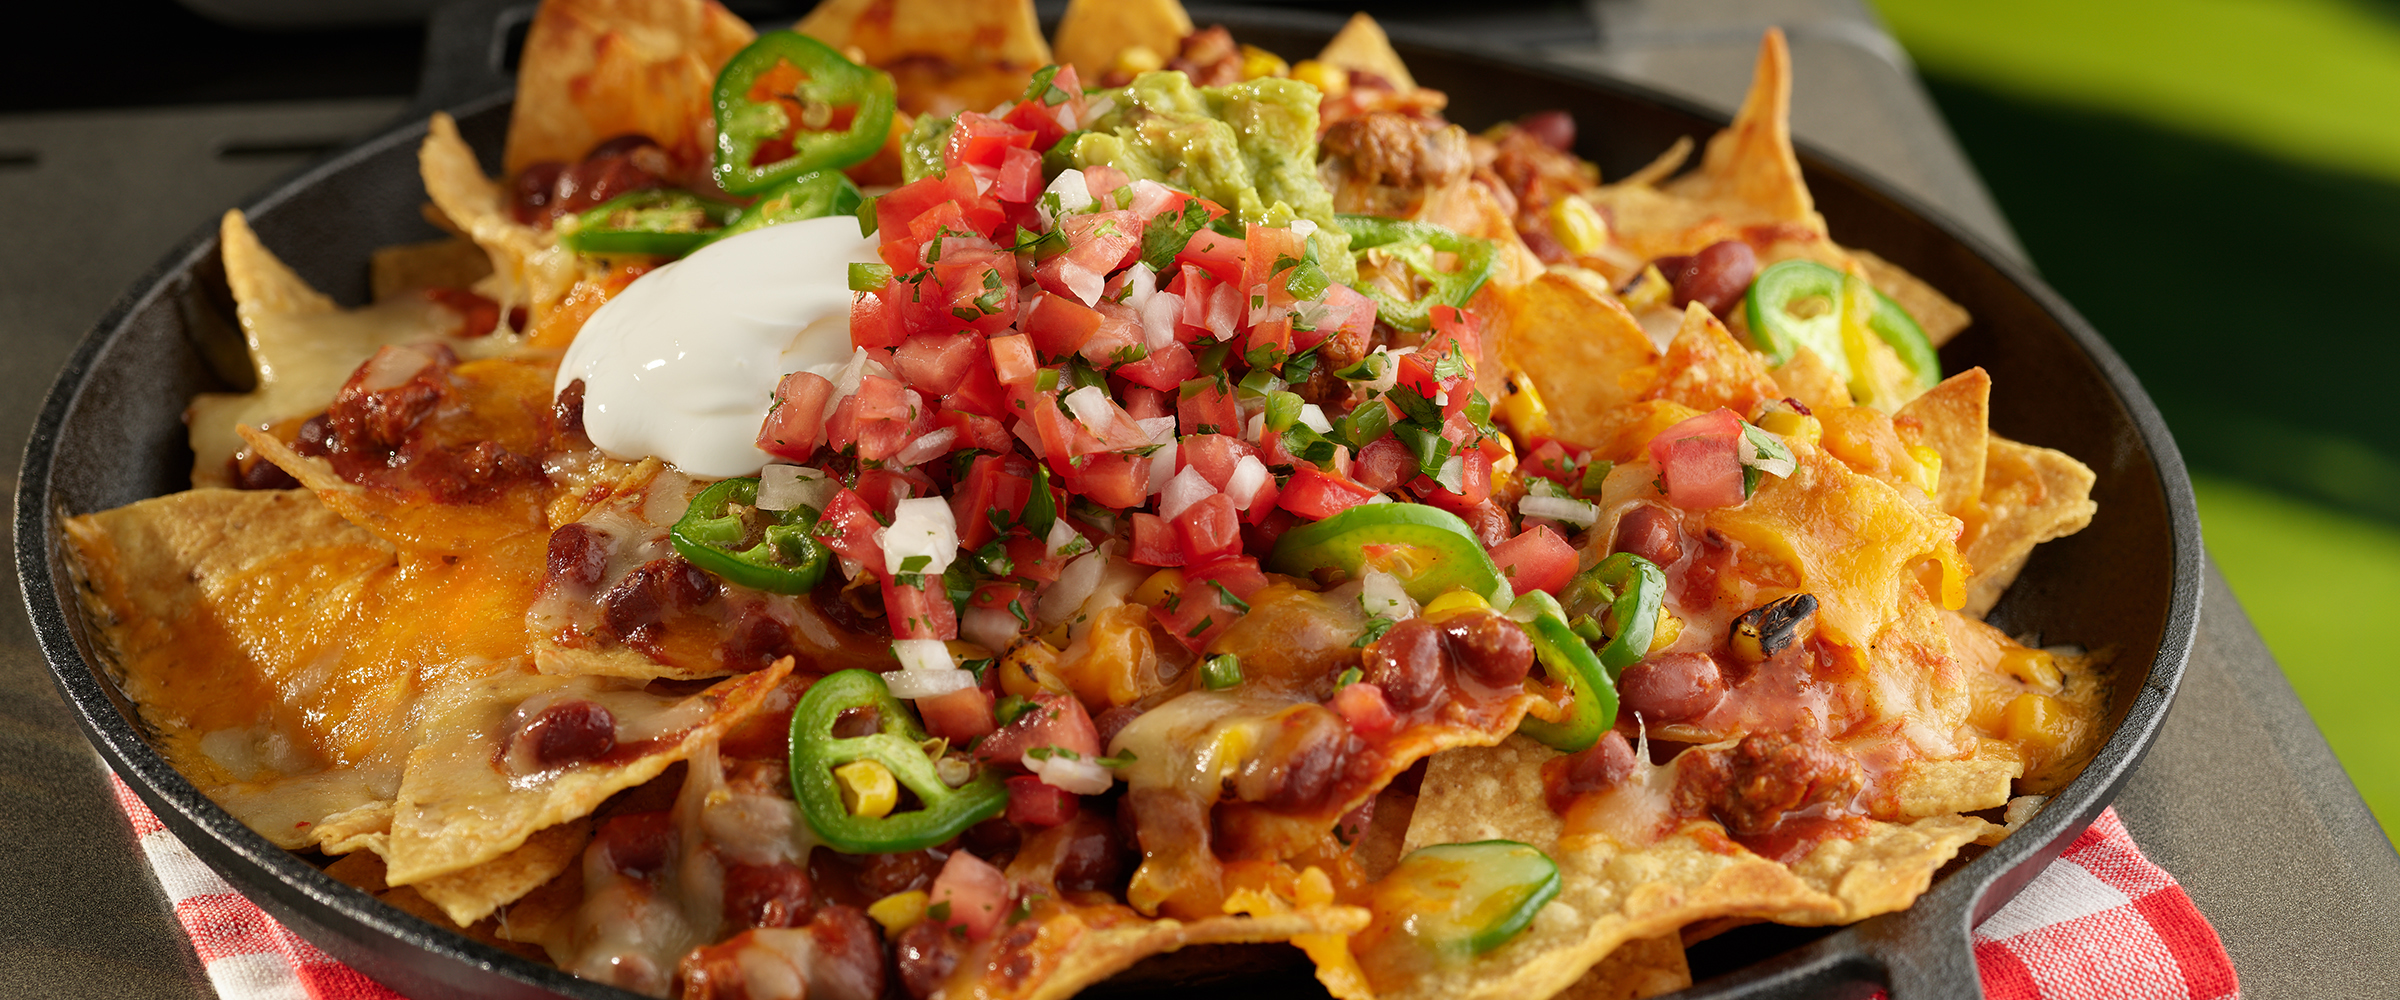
x=979, y=391
x=1037, y=803
x=1013, y=360
x=1203, y=406
x=1262, y=504
x=889, y=416
x=1163, y=370
x=1364, y=707
x=1055, y=720
x=1475, y=483
x=1266, y=248
x=1020, y=175
x=1316, y=494
x=884, y=488
x=848, y=527
x=1384, y=464
x=1700, y=460
x=975, y=430
x=1063, y=437
x=900, y=206
x=1209, y=530
x=920, y=611
x=1032, y=559
x=1551, y=460
x=841, y=426
x=1538, y=559
x=959, y=716
x=1118, y=339
x=1350, y=316
x=1214, y=455
x=973, y=895
x=1103, y=181
x=937, y=362
x=1266, y=523
x=981, y=140
x=1154, y=541
x=1452, y=325
x=974, y=285
x=1102, y=240
x=1041, y=120
x=1270, y=341
x=1059, y=325
x=795, y=424
x=873, y=321
x=1239, y=574
x=1202, y=609
x=989, y=486
x=1222, y=256
x=1195, y=285
x=1110, y=479
x=1143, y=402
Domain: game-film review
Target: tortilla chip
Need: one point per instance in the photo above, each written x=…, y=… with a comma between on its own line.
x=1093, y=32
x=302, y=345
x=2030, y=496
x=1661, y=167
x=1641, y=968
x=1953, y=419
x=477, y=532
x=1586, y=355
x=1807, y=378
x=457, y=810
x=472, y=894
x=592, y=70
x=946, y=55
x=1706, y=369
x=1361, y=46
x=1752, y=163
x=1940, y=318
x=529, y=268
x=1941, y=787
x=402, y=268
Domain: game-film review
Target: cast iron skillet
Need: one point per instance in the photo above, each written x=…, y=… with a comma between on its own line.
x=110, y=434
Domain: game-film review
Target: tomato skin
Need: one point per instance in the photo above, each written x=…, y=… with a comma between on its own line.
x=975, y=431
x=841, y=426
x=962, y=292
x=1013, y=360
x=1102, y=241
x=1055, y=720
x=1205, y=407
x=848, y=527
x=1222, y=256
x=1143, y=402
x=936, y=362
x=1316, y=494
x=890, y=415
x=1214, y=455
x=1037, y=803
x=1058, y=325
x=1110, y=479
x=990, y=485
x=1240, y=574
x=1020, y=177
x=1552, y=461
x=1033, y=560
x=900, y=206
x=1475, y=484
x=1700, y=460
x=982, y=140
x=1537, y=559
x=1363, y=705
x=1383, y=464
x=1154, y=541
x=1119, y=336
x=1209, y=531
x=974, y=894
x=1163, y=370
x=979, y=391
x=959, y=716
x=919, y=611
x=874, y=323
x=795, y=424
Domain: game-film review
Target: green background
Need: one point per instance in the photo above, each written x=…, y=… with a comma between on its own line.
x=2216, y=185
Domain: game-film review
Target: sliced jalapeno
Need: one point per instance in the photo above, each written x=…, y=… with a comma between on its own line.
x=1414, y=244
x=1467, y=898
x=1625, y=590
x=813, y=195
x=1800, y=303
x=1430, y=550
x=898, y=744
x=1591, y=706
x=725, y=533
x=790, y=104
x=660, y=222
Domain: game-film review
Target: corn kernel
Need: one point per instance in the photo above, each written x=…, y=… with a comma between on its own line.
x=1328, y=80
x=2038, y=669
x=1135, y=60
x=1154, y=591
x=1669, y=628
x=1523, y=409
x=1792, y=426
x=2035, y=717
x=1649, y=288
x=867, y=789
x=1031, y=668
x=1455, y=602
x=899, y=911
x=1258, y=62
x=1930, y=461
x=1578, y=226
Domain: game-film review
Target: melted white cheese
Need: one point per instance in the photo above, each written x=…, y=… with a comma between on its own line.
x=682, y=364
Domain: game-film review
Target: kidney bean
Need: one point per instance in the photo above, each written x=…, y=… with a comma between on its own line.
x=755, y=639
x=636, y=844
x=1113, y=721
x=578, y=554
x=1649, y=531
x=1671, y=687
x=1094, y=859
x=646, y=595
x=316, y=437
x=1717, y=276
x=620, y=145
x=569, y=732
x=1407, y=664
x=532, y=191
x=1598, y=768
x=925, y=957
x=261, y=474
x=566, y=412
x=1556, y=129
x=1489, y=648
x=848, y=963
x=1300, y=763
x=885, y=874
x=775, y=895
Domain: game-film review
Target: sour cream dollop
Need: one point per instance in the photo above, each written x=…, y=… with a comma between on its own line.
x=683, y=363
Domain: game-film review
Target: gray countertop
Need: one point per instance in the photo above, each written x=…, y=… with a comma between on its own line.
x=2240, y=800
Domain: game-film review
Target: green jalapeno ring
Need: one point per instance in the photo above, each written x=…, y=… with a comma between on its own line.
x=786, y=559
x=827, y=80
x=898, y=745
x=1779, y=333
x=1634, y=588
x=1339, y=542
x=659, y=222
x=1592, y=694
x=812, y=195
x=1892, y=324
x=1415, y=243
x=1473, y=897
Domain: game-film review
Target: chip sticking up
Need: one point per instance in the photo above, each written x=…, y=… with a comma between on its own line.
x=2030, y=496
x=1096, y=36
x=1952, y=419
x=1361, y=46
x=1584, y=352
x=945, y=55
x=594, y=70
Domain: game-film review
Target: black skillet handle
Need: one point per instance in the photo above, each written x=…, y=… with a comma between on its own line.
x=467, y=50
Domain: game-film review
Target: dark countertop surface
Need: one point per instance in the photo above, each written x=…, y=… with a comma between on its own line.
x=2240, y=800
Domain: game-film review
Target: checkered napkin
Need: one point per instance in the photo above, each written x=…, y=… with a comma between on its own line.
x=2101, y=923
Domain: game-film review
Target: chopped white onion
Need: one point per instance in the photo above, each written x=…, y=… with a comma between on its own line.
x=1389, y=376
x=1159, y=430
x=1256, y=430
x=1162, y=466
x=1097, y=110
x=913, y=684
x=1075, y=584
x=1093, y=409
x=1380, y=595
x=920, y=527
x=1087, y=284
x=1224, y=311
x=1150, y=198
x=1064, y=540
x=1260, y=309
x=923, y=654
x=789, y=487
x=1073, y=195
x=924, y=449
x=1185, y=489
x=1032, y=438
x=1305, y=227
x=955, y=771
x=1249, y=475
x=1566, y=510
x=1312, y=417
x=990, y=628
x=846, y=379
x=1140, y=284
x=1078, y=775
x=1158, y=319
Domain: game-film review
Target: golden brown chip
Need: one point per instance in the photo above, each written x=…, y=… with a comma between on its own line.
x=1852, y=540
x=1752, y=163
x=1706, y=369
x=1953, y=419
x=1641, y=968
x=1940, y=318
x=1362, y=46
x=1584, y=352
x=946, y=55
x=2030, y=496
x=529, y=268
x=1093, y=33
x=456, y=809
x=450, y=262
x=1807, y=378
x=1941, y=787
x=471, y=894
x=593, y=70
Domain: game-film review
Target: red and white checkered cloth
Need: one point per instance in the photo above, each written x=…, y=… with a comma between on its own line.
x=2101, y=923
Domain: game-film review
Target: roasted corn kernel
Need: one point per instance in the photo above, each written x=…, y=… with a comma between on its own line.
x=1930, y=461
x=2034, y=717
x=1663, y=636
x=1031, y=668
x=1455, y=602
x=1649, y=288
x=899, y=911
x=1258, y=62
x=867, y=788
x=1792, y=426
x=1771, y=628
x=2036, y=668
x=1523, y=410
x=1158, y=588
x=1328, y=80
x=1578, y=226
